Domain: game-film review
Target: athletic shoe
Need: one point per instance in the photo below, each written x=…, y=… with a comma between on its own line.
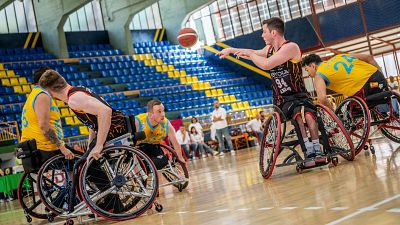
x=233, y=152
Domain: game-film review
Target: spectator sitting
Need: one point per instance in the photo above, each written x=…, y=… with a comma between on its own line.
x=184, y=140
x=199, y=140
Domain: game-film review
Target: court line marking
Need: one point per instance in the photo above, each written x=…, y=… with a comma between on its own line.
x=339, y=208
x=289, y=208
x=244, y=209
x=267, y=208
x=360, y=211
x=394, y=210
x=313, y=208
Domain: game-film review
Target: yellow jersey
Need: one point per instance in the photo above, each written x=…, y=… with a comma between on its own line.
x=345, y=74
x=30, y=123
x=154, y=135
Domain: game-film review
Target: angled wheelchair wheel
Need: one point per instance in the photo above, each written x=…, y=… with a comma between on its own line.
x=121, y=185
x=270, y=145
x=175, y=172
x=54, y=182
x=29, y=198
x=356, y=118
x=390, y=128
x=338, y=138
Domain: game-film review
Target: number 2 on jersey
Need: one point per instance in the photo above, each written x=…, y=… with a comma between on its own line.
x=347, y=67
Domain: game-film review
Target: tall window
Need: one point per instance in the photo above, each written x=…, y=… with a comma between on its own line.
x=87, y=18
x=389, y=63
x=232, y=18
x=18, y=17
x=148, y=18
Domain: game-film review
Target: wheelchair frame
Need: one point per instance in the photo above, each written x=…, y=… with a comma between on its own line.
x=278, y=145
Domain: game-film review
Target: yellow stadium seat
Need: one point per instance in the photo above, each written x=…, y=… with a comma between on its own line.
x=195, y=79
x=240, y=105
x=183, y=80
x=160, y=62
x=165, y=68
x=22, y=80
x=220, y=92
x=221, y=99
x=14, y=81
x=71, y=112
x=159, y=68
x=26, y=88
x=171, y=67
x=201, y=85
x=195, y=86
x=148, y=56
x=141, y=57
x=1, y=67
x=69, y=120
x=5, y=82
x=246, y=105
x=177, y=74
x=170, y=74
x=83, y=130
x=183, y=73
x=136, y=57
x=3, y=74
x=248, y=113
x=77, y=121
x=64, y=112
x=208, y=93
x=232, y=98
x=59, y=103
x=153, y=62
x=10, y=73
x=207, y=85
x=189, y=80
x=235, y=106
x=214, y=92
x=226, y=98
x=147, y=62
x=18, y=89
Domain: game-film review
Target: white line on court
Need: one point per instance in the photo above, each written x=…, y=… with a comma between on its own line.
x=360, y=211
x=339, y=208
x=267, y=208
x=289, y=208
x=394, y=210
x=313, y=208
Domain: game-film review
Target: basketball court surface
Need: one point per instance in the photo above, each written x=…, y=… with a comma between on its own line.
x=230, y=190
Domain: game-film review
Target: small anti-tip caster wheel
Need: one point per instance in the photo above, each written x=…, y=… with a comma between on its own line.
x=50, y=218
x=180, y=188
x=372, y=149
x=299, y=169
x=365, y=147
x=28, y=219
x=159, y=207
x=335, y=161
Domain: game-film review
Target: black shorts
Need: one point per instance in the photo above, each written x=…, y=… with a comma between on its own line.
x=376, y=84
x=156, y=154
x=292, y=108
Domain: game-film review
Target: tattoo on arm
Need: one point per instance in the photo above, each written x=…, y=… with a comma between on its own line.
x=51, y=135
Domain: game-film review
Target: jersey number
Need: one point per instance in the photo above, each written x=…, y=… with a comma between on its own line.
x=281, y=83
x=348, y=67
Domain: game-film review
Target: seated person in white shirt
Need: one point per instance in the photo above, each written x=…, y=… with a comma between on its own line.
x=199, y=140
x=254, y=126
x=221, y=126
x=195, y=123
x=184, y=140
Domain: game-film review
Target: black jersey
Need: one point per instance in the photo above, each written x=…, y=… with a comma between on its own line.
x=118, y=124
x=287, y=80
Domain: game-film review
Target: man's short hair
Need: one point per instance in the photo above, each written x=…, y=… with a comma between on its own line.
x=152, y=103
x=52, y=80
x=38, y=73
x=313, y=58
x=275, y=23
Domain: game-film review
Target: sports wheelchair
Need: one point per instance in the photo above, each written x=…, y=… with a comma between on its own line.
x=359, y=112
x=332, y=136
x=121, y=185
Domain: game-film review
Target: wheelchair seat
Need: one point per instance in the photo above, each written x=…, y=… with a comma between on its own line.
x=379, y=98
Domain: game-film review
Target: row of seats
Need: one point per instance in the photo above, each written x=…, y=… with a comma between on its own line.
x=114, y=97
x=119, y=58
x=196, y=103
x=75, y=76
x=9, y=109
x=159, y=49
x=161, y=91
x=134, y=111
x=11, y=117
x=18, y=58
x=150, y=44
x=13, y=81
x=181, y=54
x=178, y=97
x=21, y=51
x=33, y=65
x=122, y=105
x=102, y=89
x=259, y=102
x=95, y=53
x=87, y=83
x=139, y=78
x=152, y=84
x=143, y=71
x=81, y=48
x=120, y=65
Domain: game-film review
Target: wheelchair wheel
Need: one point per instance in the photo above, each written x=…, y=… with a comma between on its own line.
x=356, y=119
x=270, y=146
x=391, y=127
x=54, y=182
x=175, y=170
x=29, y=198
x=121, y=185
x=338, y=138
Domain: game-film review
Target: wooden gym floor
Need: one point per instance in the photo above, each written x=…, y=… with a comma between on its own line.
x=230, y=190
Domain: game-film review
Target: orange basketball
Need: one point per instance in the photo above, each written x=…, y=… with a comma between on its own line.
x=187, y=37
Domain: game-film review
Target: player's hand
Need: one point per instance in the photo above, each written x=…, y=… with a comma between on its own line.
x=224, y=53
x=96, y=153
x=66, y=152
x=243, y=53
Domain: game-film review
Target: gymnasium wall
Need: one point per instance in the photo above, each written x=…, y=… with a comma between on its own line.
x=18, y=40
x=87, y=37
x=148, y=35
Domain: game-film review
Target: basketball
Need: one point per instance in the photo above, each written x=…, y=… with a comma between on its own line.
x=187, y=37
